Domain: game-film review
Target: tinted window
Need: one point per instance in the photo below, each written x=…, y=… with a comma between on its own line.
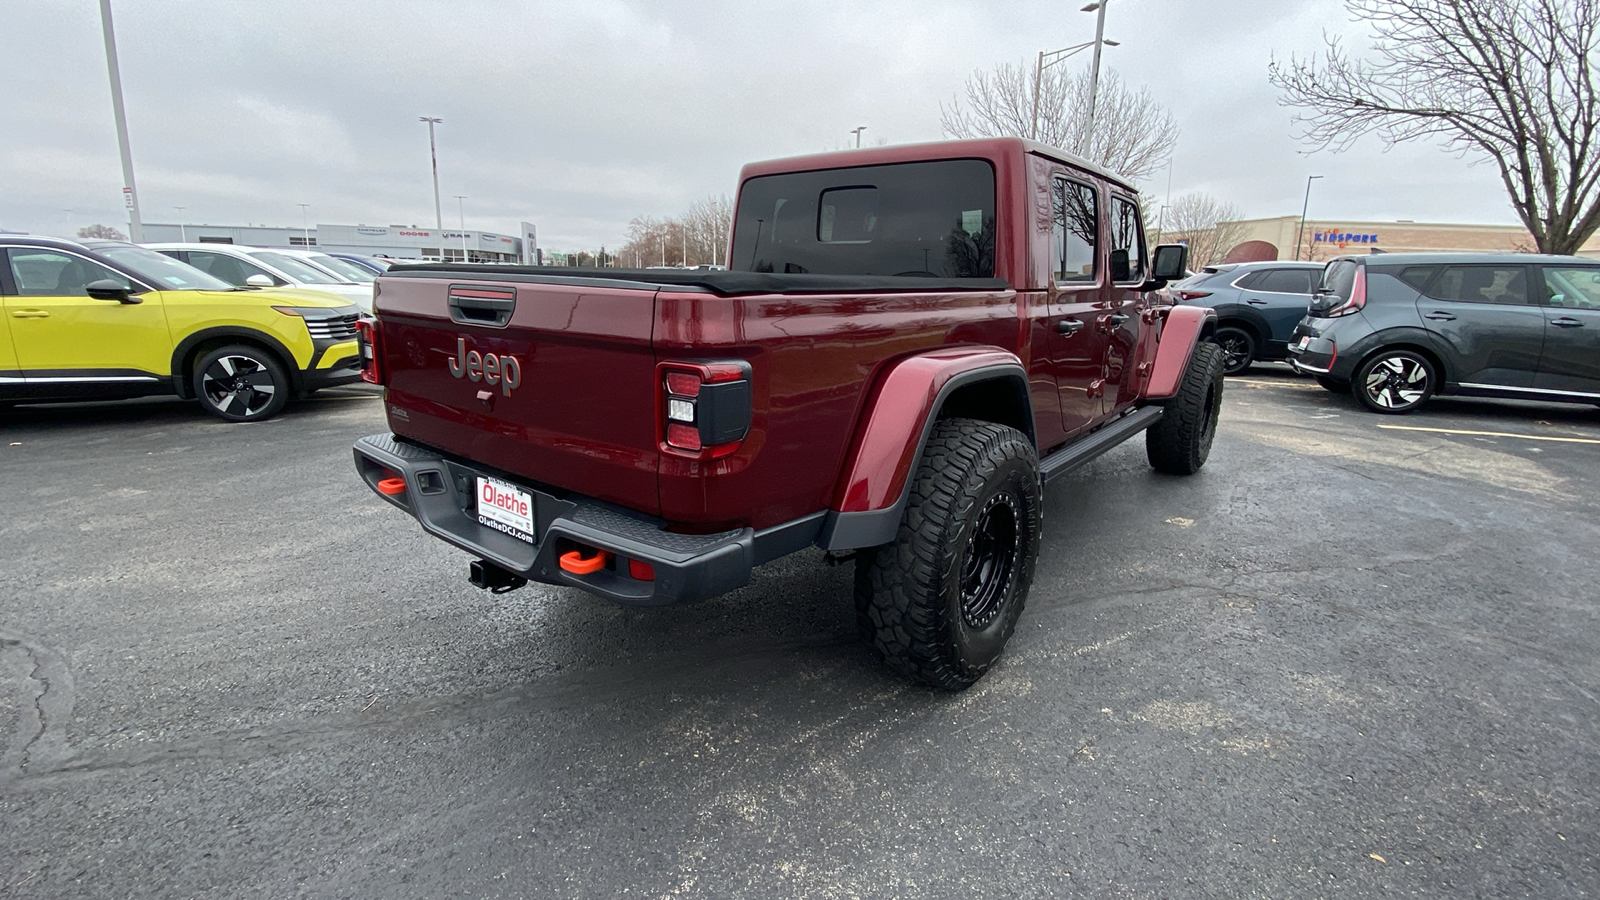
x=1339, y=278
x=163, y=271
x=1077, y=224
x=1482, y=284
x=1418, y=276
x=230, y=269
x=926, y=218
x=1250, y=280
x=1576, y=287
x=1285, y=281
x=1127, y=236
x=47, y=273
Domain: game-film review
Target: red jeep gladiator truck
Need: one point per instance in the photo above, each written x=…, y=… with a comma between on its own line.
x=909, y=342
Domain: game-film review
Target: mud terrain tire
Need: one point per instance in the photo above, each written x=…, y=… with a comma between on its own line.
x=942, y=600
x=1180, y=441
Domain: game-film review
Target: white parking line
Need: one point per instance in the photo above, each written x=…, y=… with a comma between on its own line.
x=1527, y=437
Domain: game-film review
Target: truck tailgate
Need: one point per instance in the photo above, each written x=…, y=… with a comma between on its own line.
x=552, y=383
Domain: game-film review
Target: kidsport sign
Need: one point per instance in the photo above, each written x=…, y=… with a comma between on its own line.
x=1342, y=238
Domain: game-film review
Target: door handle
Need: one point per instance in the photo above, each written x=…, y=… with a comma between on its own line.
x=1254, y=302
x=1109, y=323
x=30, y=314
x=1440, y=316
x=1566, y=322
x=1069, y=326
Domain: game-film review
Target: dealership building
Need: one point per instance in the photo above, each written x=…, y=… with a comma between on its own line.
x=1270, y=239
x=392, y=241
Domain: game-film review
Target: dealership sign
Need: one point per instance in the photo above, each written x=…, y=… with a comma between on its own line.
x=372, y=232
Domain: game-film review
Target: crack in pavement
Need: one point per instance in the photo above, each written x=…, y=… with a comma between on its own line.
x=39, y=735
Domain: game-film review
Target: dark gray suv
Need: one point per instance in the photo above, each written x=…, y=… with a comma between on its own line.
x=1258, y=305
x=1401, y=327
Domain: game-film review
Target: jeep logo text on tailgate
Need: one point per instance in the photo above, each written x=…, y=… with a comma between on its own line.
x=488, y=367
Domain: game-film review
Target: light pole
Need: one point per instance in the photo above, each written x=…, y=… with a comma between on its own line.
x=130, y=195
x=433, y=154
x=1303, y=208
x=462, y=209
x=857, y=132
x=183, y=235
x=305, y=225
x=1048, y=58
x=1098, y=7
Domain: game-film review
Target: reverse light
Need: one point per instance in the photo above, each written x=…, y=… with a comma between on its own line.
x=704, y=408
x=367, y=338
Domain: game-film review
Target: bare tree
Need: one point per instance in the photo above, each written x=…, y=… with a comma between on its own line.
x=698, y=237
x=1508, y=80
x=101, y=232
x=1134, y=135
x=1210, y=226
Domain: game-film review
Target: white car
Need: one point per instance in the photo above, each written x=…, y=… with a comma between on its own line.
x=266, y=267
x=343, y=268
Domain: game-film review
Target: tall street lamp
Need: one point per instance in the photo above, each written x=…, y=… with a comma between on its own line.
x=462, y=209
x=433, y=154
x=1048, y=58
x=305, y=225
x=183, y=234
x=1303, y=208
x=857, y=132
x=130, y=195
x=1098, y=7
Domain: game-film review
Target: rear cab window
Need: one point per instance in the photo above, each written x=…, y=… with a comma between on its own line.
x=929, y=219
x=1075, y=210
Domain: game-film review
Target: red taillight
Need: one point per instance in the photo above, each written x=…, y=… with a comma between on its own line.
x=704, y=407
x=367, y=339
x=1358, y=296
x=1191, y=295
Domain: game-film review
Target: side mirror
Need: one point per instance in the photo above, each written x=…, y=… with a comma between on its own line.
x=107, y=289
x=1169, y=262
x=259, y=281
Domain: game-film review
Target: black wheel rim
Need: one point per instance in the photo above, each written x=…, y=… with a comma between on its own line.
x=990, y=560
x=1397, y=382
x=238, y=386
x=1235, y=351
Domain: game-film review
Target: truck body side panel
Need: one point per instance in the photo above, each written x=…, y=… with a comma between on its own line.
x=581, y=418
x=814, y=360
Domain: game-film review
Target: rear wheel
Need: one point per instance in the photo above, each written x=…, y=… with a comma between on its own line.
x=241, y=383
x=1238, y=349
x=1394, y=381
x=1180, y=441
x=940, y=602
x=1334, y=384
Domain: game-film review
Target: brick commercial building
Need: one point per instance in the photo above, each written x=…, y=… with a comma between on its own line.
x=1268, y=239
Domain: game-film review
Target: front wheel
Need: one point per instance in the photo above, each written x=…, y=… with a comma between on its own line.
x=1180, y=441
x=941, y=601
x=1238, y=349
x=241, y=383
x=1394, y=381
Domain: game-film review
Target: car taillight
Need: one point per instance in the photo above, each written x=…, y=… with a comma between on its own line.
x=1358, y=296
x=704, y=407
x=1191, y=295
x=367, y=339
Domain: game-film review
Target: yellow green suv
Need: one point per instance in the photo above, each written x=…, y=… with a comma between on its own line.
x=97, y=320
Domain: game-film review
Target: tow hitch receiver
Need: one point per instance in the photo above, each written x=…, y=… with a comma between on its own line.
x=490, y=577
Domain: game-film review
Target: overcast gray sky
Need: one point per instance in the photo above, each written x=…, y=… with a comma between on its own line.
x=578, y=115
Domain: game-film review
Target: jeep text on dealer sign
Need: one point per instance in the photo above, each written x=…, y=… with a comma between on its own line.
x=911, y=341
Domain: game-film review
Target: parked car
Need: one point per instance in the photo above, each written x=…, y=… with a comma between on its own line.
x=349, y=271
x=913, y=341
x=373, y=264
x=265, y=267
x=97, y=320
x=1258, y=305
x=1402, y=327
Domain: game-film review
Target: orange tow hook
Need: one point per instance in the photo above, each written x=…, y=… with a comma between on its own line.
x=392, y=486
x=575, y=562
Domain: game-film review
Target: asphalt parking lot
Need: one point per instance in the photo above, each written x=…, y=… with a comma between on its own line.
x=1356, y=655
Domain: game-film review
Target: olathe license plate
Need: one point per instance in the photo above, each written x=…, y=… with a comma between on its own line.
x=504, y=507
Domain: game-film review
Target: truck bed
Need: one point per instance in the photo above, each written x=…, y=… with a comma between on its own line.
x=721, y=283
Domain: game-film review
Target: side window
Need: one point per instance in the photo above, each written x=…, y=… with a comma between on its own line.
x=1127, y=241
x=1418, y=276
x=1077, y=222
x=1251, y=280
x=1577, y=287
x=233, y=271
x=1506, y=285
x=46, y=273
x=1285, y=281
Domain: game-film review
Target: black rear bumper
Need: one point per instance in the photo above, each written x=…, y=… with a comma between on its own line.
x=440, y=494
